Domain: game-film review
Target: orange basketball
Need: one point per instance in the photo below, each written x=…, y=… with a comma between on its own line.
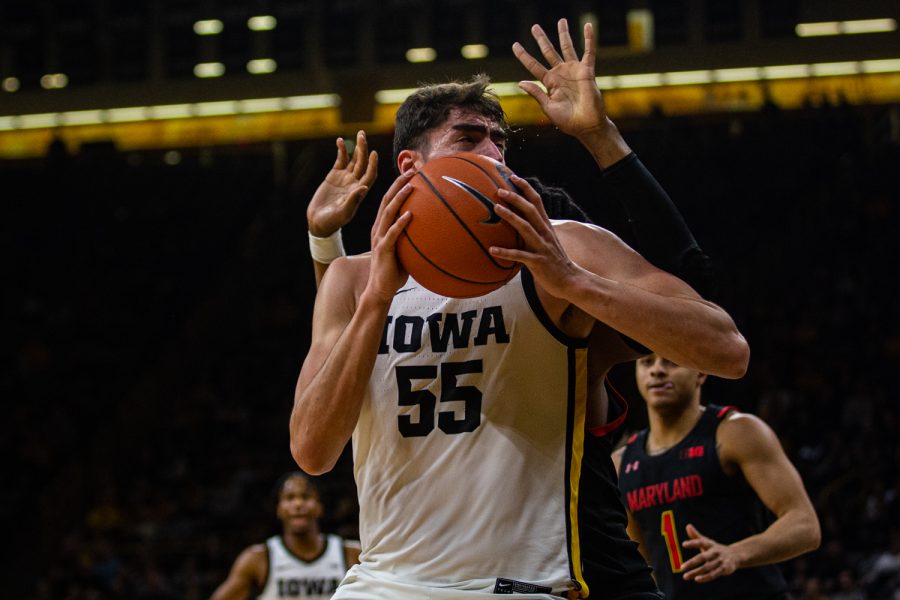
x=445, y=246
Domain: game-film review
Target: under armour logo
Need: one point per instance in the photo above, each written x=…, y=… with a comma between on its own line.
x=632, y=466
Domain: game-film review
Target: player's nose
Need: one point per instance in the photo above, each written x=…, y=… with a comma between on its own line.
x=490, y=149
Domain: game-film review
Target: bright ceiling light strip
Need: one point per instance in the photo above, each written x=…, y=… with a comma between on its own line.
x=869, y=26
x=688, y=77
x=314, y=101
x=845, y=27
x=889, y=65
x=785, y=71
x=605, y=83
x=169, y=111
x=835, y=68
x=82, y=117
x=741, y=74
x=640, y=80
x=260, y=105
x=394, y=96
x=818, y=29
x=38, y=121
x=128, y=114
x=508, y=88
x=214, y=109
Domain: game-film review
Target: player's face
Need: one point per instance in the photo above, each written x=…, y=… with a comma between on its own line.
x=466, y=131
x=664, y=384
x=299, y=505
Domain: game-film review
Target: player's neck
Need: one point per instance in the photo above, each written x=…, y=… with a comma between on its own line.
x=306, y=545
x=668, y=429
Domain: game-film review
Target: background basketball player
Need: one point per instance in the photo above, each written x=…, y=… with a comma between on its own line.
x=301, y=562
x=701, y=484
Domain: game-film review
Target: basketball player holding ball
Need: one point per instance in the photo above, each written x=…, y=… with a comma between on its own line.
x=468, y=416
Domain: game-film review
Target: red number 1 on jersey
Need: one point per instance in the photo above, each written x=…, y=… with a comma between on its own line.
x=671, y=534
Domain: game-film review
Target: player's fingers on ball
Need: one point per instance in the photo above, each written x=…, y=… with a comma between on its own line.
x=565, y=41
x=520, y=207
x=394, y=231
x=510, y=254
x=530, y=193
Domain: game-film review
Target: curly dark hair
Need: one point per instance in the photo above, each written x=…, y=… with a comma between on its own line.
x=430, y=105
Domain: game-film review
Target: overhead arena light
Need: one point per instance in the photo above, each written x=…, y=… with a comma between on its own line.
x=845, y=27
x=262, y=23
x=11, y=84
x=421, y=55
x=474, y=51
x=209, y=69
x=208, y=27
x=54, y=81
x=261, y=66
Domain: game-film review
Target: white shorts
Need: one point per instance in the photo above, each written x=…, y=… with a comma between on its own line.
x=361, y=584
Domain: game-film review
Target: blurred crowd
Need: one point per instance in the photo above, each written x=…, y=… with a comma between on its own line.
x=157, y=308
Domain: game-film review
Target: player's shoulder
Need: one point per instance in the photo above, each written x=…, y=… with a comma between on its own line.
x=253, y=560
x=587, y=235
x=347, y=273
x=741, y=433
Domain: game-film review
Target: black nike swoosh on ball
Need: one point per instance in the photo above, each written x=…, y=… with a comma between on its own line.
x=488, y=204
x=401, y=291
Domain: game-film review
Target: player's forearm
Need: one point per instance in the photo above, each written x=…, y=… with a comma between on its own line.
x=792, y=534
x=690, y=331
x=327, y=405
x=605, y=143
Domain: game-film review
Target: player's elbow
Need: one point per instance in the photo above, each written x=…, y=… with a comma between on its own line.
x=735, y=357
x=813, y=537
x=310, y=458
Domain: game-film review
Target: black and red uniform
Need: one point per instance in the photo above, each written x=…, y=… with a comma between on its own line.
x=686, y=484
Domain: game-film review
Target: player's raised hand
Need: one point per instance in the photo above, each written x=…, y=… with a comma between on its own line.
x=572, y=100
x=713, y=561
x=335, y=202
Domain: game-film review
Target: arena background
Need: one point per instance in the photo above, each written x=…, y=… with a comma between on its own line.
x=157, y=288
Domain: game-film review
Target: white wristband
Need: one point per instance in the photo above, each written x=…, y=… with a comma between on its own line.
x=325, y=250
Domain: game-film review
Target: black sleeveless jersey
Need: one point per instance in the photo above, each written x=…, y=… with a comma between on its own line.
x=686, y=484
x=612, y=565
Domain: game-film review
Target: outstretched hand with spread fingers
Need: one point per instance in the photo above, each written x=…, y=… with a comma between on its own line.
x=572, y=100
x=335, y=202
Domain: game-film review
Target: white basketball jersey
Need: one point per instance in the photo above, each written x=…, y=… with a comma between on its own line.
x=467, y=453
x=292, y=577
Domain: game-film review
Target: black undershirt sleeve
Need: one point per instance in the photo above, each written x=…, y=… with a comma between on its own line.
x=651, y=222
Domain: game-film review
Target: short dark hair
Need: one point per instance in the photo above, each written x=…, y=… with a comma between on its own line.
x=430, y=105
x=279, y=485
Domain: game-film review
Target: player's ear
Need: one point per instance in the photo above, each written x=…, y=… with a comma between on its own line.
x=409, y=159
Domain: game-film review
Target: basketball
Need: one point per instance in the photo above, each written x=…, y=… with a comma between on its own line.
x=446, y=245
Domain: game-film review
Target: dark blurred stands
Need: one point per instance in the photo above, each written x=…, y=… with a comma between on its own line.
x=156, y=312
